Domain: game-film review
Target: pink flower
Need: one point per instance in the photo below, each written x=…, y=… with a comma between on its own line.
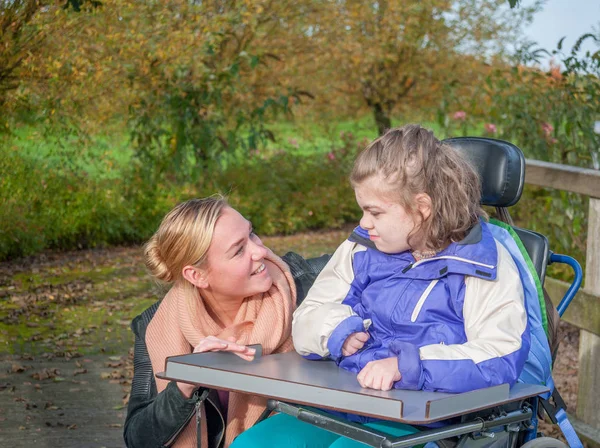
x=547, y=129
x=254, y=153
x=490, y=128
x=331, y=156
x=293, y=142
x=459, y=115
x=310, y=213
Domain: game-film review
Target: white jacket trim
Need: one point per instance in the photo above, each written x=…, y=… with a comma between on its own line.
x=494, y=316
x=493, y=311
x=422, y=299
x=322, y=309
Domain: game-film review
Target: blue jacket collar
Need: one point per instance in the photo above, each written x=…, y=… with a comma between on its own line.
x=475, y=255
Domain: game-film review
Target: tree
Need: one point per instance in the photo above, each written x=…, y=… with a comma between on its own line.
x=125, y=58
x=18, y=38
x=189, y=77
x=383, y=51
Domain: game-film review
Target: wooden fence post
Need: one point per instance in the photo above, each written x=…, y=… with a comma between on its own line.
x=588, y=402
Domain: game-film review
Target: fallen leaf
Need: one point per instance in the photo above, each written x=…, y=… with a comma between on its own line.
x=18, y=368
x=45, y=374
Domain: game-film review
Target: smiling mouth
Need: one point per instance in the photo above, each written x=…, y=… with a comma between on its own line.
x=259, y=270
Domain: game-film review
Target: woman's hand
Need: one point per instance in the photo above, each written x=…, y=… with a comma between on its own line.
x=214, y=344
x=354, y=343
x=380, y=375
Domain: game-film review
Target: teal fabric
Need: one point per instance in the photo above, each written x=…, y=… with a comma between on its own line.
x=391, y=428
x=281, y=430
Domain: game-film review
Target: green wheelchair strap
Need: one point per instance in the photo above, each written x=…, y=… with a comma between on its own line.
x=536, y=279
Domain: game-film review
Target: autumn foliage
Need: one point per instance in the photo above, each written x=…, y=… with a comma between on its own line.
x=187, y=93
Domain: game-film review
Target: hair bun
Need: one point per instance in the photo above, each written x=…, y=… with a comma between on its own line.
x=155, y=262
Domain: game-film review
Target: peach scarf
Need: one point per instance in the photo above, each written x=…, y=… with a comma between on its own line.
x=263, y=319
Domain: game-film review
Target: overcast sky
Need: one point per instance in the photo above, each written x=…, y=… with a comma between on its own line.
x=559, y=18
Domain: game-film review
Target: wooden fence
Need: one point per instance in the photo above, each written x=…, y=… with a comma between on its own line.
x=584, y=310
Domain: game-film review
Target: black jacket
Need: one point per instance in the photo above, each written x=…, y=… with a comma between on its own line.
x=155, y=420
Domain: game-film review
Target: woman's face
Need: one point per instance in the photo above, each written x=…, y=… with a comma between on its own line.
x=235, y=259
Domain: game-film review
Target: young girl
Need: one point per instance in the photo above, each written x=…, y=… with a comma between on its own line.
x=421, y=296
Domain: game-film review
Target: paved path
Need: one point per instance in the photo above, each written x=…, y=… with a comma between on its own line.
x=80, y=410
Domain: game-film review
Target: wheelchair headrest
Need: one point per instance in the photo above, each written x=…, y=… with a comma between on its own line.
x=500, y=165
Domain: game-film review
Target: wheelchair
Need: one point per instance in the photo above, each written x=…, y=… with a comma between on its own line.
x=492, y=417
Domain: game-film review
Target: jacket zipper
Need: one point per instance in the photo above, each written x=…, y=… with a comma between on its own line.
x=198, y=407
x=187, y=420
x=199, y=399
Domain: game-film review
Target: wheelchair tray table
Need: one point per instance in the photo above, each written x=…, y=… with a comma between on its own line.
x=290, y=378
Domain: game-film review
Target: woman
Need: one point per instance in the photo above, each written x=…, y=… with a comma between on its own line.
x=228, y=291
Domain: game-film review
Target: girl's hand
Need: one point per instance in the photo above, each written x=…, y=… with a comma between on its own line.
x=354, y=343
x=380, y=375
x=214, y=344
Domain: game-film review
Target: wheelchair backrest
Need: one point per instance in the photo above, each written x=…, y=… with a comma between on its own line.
x=501, y=168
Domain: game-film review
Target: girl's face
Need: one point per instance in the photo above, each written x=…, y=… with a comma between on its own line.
x=235, y=267
x=388, y=222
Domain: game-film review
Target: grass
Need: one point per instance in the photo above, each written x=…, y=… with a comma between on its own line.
x=101, y=156
x=105, y=155
x=310, y=135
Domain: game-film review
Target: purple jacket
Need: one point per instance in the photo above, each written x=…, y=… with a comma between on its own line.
x=456, y=322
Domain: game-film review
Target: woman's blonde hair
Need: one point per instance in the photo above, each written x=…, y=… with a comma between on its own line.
x=183, y=238
x=412, y=161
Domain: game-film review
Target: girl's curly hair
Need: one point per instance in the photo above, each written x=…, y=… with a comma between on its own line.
x=412, y=161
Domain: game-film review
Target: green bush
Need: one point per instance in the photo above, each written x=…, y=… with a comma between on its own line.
x=49, y=207
x=45, y=207
x=289, y=193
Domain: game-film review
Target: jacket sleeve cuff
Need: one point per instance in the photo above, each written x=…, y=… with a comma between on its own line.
x=177, y=398
x=409, y=365
x=352, y=324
